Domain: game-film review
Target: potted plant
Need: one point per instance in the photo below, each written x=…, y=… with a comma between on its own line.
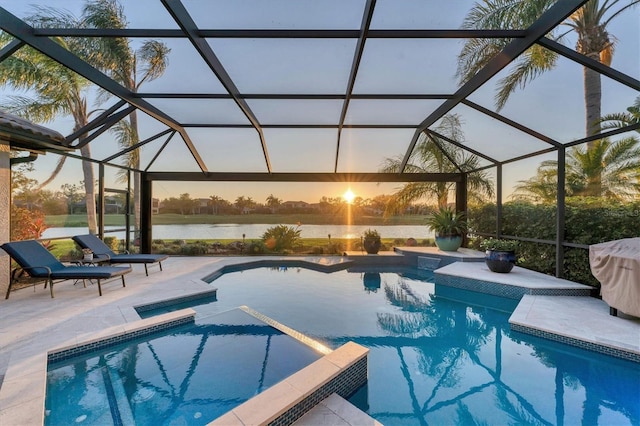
x=371, y=241
x=500, y=255
x=449, y=226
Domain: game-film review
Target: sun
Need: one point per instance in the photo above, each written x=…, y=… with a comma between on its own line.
x=349, y=196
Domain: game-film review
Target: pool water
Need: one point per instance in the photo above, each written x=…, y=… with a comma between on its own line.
x=438, y=355
x=188, y=375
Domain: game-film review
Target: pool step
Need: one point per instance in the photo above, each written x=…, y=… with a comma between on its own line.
x=335, y=410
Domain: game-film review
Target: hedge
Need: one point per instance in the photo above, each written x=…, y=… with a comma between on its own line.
x=587, y=221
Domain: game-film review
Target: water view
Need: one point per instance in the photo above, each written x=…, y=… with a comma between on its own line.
x=230, y=231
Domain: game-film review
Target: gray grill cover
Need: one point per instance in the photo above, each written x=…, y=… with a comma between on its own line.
x=616, y=264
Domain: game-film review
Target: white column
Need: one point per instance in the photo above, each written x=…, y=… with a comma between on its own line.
x=5, y=216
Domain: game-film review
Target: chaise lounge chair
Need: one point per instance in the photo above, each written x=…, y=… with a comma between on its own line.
x=38, y=262
x=102, y=251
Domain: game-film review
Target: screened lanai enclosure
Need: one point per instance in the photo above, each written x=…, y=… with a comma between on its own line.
x=515, y=108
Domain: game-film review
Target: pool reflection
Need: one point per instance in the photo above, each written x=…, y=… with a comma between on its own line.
x=457, y=357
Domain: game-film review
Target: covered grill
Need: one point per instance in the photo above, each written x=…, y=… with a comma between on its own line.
x=616, y=264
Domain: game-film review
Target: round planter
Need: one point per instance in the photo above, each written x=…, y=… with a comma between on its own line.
x=451, y=243
x=500, y=261
x=372, y=246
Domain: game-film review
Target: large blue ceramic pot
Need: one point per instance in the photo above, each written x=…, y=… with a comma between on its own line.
x=500, y=261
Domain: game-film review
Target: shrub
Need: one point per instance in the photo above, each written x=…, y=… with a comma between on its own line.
x=316, y=250
x=588, y=220
x=498, y=244
x=194, y=249
x=335, y=248
x=26, y=224
x=256, y=247
x=112, y=243
x=281, y=237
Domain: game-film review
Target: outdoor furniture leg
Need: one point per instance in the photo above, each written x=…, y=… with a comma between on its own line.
x=99, y=287
x=146, y=271
x=50, y=286
x=9, y=289
x=123, y=284
x=160, y=263
x=613, y=312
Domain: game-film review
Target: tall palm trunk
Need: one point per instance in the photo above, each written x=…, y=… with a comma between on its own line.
x=89, y=189
x=135, y=163
x=592, y=101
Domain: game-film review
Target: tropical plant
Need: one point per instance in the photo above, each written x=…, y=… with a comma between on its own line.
x=273, y=202
x=26, y=224
x=608, y=169
x=498, y=244
x=131, y=68
x=589, y=23
x=55, y=90
x=433, y=154
x=618, y=120
x=371, y=241
x=281, y=237
x=446, y=222
x=371, y=235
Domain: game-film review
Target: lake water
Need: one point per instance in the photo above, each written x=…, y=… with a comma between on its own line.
x=254, y=231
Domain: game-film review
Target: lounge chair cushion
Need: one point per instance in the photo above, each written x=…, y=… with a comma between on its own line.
x=31, y=254
x=101, y=250
x=79, y=272
x=134, y=258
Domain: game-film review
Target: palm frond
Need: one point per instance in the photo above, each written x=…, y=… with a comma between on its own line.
x=154, y=57
x=535, y=61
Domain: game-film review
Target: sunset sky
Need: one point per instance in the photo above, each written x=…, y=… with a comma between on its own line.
x=552, y=104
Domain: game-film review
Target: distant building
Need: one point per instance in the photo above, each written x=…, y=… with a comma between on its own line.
x=155, y=205
x=295, y=205
x=201, y=206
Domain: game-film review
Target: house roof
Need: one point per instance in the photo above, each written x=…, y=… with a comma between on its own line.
x=23, y=134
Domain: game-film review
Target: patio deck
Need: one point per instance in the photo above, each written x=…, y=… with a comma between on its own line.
x=33, y=323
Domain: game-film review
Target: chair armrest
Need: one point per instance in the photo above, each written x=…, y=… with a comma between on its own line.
x=26, y=268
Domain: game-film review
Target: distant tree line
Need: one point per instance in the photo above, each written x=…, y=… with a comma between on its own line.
x=216, y=205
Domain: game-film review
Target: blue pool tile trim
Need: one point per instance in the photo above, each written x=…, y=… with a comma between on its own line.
x=505, y=290
x=429, y=263
x=176, y=301
x=87, y=348
x=289, y=263
x=615, y=352
x=344, y=384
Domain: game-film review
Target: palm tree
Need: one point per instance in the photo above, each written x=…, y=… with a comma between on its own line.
x=593, y=40
x=619, y=120
x=215, y=202
x=57, y=91
x=131, y=68
x=433, y=155
x=608, y=169
x=273, y=203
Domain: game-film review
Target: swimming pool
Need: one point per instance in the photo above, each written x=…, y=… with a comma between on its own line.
x=439, y=355
x=187, y=374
